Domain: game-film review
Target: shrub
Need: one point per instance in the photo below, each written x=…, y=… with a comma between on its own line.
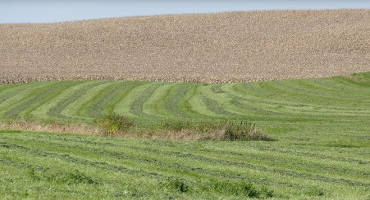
x=114, y=124
x=215, y=130
x=242, y=130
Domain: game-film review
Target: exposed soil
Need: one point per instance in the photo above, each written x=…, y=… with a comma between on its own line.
x=223, y=47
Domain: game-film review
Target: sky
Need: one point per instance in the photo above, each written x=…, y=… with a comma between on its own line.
x=46, y=11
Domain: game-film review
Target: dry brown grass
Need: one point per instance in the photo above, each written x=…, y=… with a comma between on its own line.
x=160, y=134
x=224, y=47
x=81, y=129
x=50, y=127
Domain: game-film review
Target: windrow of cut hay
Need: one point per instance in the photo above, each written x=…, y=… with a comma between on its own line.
x=223, y=47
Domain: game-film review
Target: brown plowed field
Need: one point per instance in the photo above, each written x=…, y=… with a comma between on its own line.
x=223, y=47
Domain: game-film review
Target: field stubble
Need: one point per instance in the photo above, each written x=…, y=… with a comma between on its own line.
x=223, y=47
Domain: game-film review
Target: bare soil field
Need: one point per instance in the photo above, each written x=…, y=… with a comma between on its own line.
x=222, y=47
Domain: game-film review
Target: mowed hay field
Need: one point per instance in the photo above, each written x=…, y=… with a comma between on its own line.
x=320, y=126
x=224, y=47
x=63, y=77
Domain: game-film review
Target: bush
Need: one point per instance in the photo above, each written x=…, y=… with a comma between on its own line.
x=196, y=126
x=243, y=130
x=115, y=124
x=216, y=130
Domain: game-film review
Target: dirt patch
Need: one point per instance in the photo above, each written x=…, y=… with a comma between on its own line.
x=223, y=47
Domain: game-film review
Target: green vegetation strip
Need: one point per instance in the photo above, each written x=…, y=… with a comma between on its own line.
x=344, y=99
x=321, y=151
x=168, y=169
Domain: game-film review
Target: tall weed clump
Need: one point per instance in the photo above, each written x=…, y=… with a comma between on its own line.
x=243, y=130
x=225, y=130
x=217, y=130
x=115, y=124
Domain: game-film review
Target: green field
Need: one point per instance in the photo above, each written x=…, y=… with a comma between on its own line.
x=321, y=127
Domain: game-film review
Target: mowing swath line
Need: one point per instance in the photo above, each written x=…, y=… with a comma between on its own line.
x=252, y=157
x=4, y=93
x=29, y=94
x=39, y=96
x=41, y=112
x=233, y=153
x=262, y=97
x=89, y=163
x=260, y=158
x=305, y=109
x=126, y=99
x=214, y=107
x=137, y=107
x=217, y=103
x=151, y=164
x=316, y=87
x=124, y=155
x=121, y=95
x=186, y=103
x=242, y=106
x=34, y=154
x=256, y=104
x=72, y=159
x=17, y=94
x=237, y=103
x=321, y=99
x=256, y=157
x=104, y=165
x=237, y=107
x=75, y=110
x=337, y=84
x=106, y=97
x=248, y=104
x=91, y=96
x=56, y=91
x=300, y=94
x=362, y=82
x=155, y=105
x=56, y=111
x=177, y=94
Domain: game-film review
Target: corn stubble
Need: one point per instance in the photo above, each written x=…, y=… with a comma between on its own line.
x=223, y=47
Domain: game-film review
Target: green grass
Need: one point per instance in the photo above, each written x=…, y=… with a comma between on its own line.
x=282, y=103
x=321, y=127
x=56, y=166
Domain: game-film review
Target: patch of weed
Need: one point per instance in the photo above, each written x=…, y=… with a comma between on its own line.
x=177, y=185
x=314, y=191
x=114, y=124
x=242, y=130
x=239, y=189
x=74, y=177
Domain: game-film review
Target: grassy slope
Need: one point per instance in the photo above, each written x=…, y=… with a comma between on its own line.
x=322, y=127
x=43, y=166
